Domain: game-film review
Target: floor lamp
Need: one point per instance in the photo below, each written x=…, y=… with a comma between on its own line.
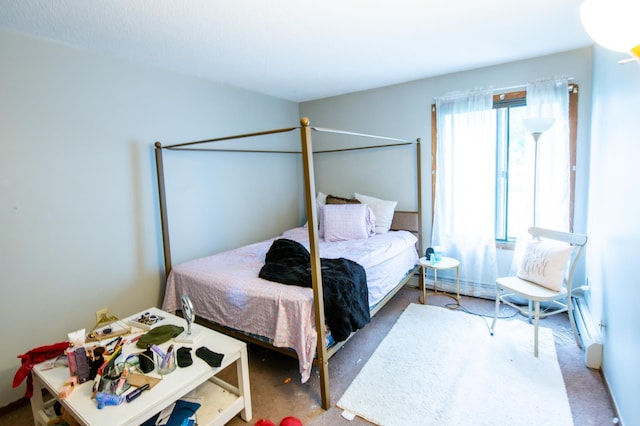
x=536, y=126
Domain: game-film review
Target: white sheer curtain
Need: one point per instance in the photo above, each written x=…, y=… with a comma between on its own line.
x=550, y=98
x=464, y=210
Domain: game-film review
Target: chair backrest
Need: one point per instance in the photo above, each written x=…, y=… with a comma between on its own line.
x=577, y=241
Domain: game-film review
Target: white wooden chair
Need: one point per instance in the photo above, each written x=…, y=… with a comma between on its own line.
x=545, y=275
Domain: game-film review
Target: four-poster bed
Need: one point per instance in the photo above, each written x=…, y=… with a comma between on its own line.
x=311, y=342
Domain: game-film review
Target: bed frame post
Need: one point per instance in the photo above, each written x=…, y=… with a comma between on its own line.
x=316, y=276
x=163, y=210
x=419, y=177
x=419, y=183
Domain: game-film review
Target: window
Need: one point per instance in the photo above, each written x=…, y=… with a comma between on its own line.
x=513, y=204
x=514, y=157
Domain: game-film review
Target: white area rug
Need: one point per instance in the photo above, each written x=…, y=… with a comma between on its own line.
x=442, y=367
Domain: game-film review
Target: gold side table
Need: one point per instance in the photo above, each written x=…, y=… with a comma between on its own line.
x=444, y=263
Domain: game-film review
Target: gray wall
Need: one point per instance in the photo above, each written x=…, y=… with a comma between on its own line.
x=614, y=230
x=78, y=204
x=404, y=110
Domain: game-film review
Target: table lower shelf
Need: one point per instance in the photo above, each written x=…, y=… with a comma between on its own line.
x=222, y=402
x=46, y=414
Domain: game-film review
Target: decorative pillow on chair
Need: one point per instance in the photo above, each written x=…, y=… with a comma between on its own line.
x=382, y=209
x=545, y=263
x=341, y=222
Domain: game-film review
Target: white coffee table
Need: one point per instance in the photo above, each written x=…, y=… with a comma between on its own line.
x=222, y=401
x=442, y=264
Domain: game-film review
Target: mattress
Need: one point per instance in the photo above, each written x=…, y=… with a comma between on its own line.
x=225, y=287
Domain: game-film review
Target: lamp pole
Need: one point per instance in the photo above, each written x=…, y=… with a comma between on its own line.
x=536, y=136
x=536, y=126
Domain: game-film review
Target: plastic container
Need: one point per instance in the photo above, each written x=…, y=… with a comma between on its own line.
x=167, y=364
x=438, y=252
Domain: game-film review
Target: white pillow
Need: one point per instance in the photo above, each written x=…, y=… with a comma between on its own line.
x=369, y=219
x=321, y=199
x=342, y=222
x=545, y=263
x=382, y=209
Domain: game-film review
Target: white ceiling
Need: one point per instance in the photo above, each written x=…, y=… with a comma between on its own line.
x=302, y=49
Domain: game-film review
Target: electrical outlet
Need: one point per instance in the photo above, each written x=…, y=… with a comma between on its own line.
x=101, y=313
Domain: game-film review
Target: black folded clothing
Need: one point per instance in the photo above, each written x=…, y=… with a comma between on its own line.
x=184, y=357
x=214, y=359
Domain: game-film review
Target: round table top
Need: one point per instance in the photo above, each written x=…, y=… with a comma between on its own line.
x=444, y=263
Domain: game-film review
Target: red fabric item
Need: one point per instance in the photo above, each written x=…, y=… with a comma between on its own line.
x=290, y=421
x=33, y=357
x=264, y=422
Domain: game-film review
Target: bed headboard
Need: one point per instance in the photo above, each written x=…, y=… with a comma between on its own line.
x=408, y=221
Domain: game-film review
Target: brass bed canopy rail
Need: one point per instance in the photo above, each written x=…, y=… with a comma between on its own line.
x=304, y=128
x=365, y=135
x=305, y=123
x=307, y=152
x=228, y=138
x=277, y=151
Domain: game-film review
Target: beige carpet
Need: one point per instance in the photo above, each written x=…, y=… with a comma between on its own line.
x=442, y=367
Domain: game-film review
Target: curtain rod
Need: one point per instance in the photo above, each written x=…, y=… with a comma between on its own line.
x=523, y=86
x=519, y=86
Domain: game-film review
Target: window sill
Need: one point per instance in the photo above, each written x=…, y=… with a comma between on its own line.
x=502, y=245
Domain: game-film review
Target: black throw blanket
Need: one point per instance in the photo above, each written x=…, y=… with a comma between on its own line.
x=344, y=284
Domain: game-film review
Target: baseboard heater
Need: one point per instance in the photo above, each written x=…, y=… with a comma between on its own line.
x=589, y=334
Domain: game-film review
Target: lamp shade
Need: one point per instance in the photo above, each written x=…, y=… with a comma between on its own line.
x=537, y=124
x=613, y=24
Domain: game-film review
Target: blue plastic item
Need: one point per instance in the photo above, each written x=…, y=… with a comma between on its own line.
x=108, y=399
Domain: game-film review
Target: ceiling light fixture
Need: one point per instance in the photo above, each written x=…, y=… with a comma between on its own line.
x=613, y=24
